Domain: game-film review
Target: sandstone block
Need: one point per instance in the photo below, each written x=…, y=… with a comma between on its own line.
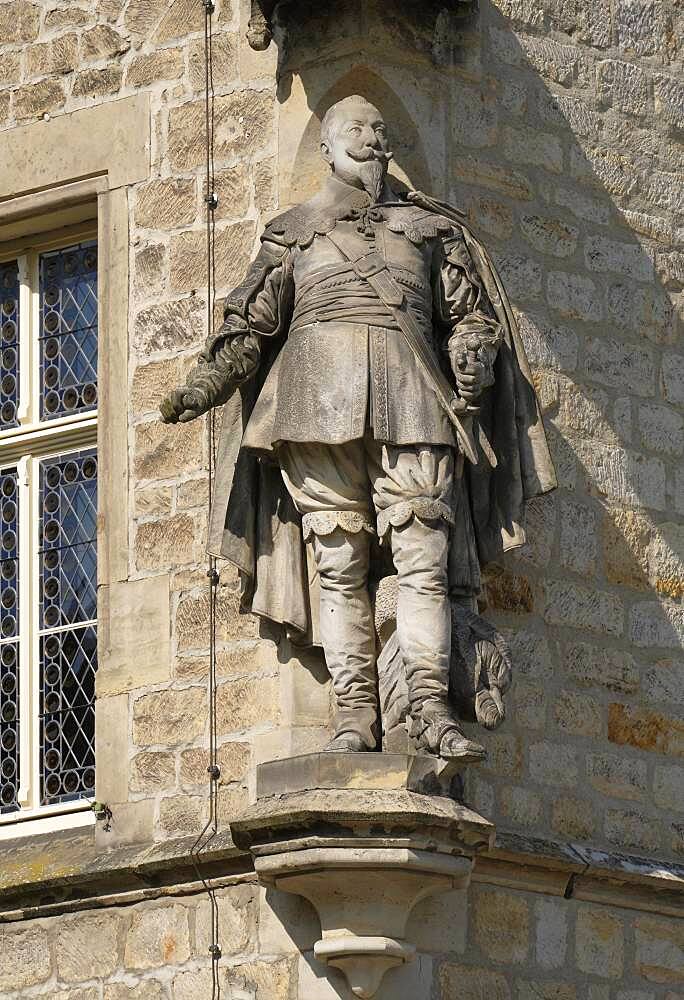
x=225, y=68
x=582, y=205
x=149, y=268
x=173, y=540
x=573, y=606
x=673, y=378
x=668, y=787
x=564, y=112
x=132, y=823
x=632, y=829
x=529, y=146
x=244, y=125
x=19, y=22
x=466, y=982
x=647, y=311
x=148, y=989
x=58, y=56
x=152, y=771
x=86, y=946
x=626, y=537
x=103, y=42
x=623, y=86
x=169, y=718
x=141, y=16
x=266, y=185
x=492, y=216
x=601, y=254
x=501, y=925
x=193, y=493
x=137, y=653
x=637, y=23
x=192, y=621
x=545, y=990
x=617, y=777
x=551, y=933
x=89, y=993
x=188, y=256
x=233, y=800
x=659, y=949
x=157, y=936
x=662, y=429
x=166, y=204
x=529, y=705
x=604, y=169
x=166, y=64
x=97, y=82
x=470, y=170
x=579, y=714
x=598, y=666
x=645, y=730
x=10, y=68
x=182, y=18
x=247, y=702
x=232, y=187
x=549, y=235
x=657, y=625
x=618, y=364
x=237, y=918
x=564, y=64
x=669, y=100
x=37, y=99
x=24, y=956
x=548, y=345
x=506, y=592
x=531, y=653
x=183, y=815
x=521, y=806
x=59, y=19
x=522, y=276
x=476, y=125
x=274, y=980
x=170, y=326
x=664, y=682
x=578, y=537
x=574, y=296
x=111, y=747
x=553, y=764
x=233, y=760
x=163, y=451
x=599, y=943
x=153, y=381
x=573, y=818
x=583, y=408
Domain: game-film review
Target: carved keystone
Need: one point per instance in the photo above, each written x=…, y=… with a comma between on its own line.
x=347, y=832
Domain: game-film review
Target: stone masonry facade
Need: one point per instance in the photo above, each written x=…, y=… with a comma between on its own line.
x=563, y=126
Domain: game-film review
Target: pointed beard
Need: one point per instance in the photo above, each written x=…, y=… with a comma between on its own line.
x=372, y=174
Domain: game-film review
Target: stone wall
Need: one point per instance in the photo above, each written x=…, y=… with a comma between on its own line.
x=505, y=945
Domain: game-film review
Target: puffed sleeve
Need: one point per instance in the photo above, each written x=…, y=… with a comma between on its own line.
x=465, y=311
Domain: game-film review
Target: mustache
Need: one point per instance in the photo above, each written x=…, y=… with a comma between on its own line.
x=370, y=154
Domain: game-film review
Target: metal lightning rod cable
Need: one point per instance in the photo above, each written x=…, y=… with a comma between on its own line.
x=211, y=826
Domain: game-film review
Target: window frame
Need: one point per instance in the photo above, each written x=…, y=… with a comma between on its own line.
x=24, y=447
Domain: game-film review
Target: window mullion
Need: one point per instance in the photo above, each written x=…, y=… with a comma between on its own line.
x=24, y=414
x=26, y=794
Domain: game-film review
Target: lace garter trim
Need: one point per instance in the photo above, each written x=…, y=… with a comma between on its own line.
x=324, y=522
x=401, y=513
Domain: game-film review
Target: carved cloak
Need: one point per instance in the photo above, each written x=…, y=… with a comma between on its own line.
x=254, y=524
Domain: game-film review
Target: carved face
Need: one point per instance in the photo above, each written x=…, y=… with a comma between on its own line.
x=356, y=146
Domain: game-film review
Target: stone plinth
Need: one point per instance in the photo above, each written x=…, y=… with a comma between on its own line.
x=357, y=835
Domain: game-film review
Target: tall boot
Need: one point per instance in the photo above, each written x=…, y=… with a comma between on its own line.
x=420, y=550
x=348, y=636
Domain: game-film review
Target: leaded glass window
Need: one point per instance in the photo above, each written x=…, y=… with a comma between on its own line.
x=48, y=528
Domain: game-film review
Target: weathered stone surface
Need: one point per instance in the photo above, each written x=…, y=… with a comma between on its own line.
x=466, y=982
x=237, y=918
x=170, y=325
x=266, y=980
x=169, y=718
x=664, y=682
x=602, y=254
x=637, y=23
x=669, y=100
x=579, y=714
x=192, y=621
x=573, y=818
x=529, y=146
x=626, y=537
x=623, y=476
x=193, y=493
x=521, y=806
x=553, y=764
x=623, y=85
x=148, y=989
x=182, y=18
x=233, y=760
x=545, y=990
x=617, y=777
x=645, y=730
x=152, y=771
x=673, y=378
x=166, y=204
x=19, y=22
x=662, y=429
x=507, y=592
x=548, y=345
x=632, y=829
x=87, y=946
x=657, y=625
x=549, y=235
x=522, y=276
x=157, y=936
x=574, y=296
x=58, y=56
x=583, y=608
x=551, y=933
x=183, y=815
x=24, y=956
x=166, y=64
x=666, y=560
x=103, y=42
x=151, y=382
x=599, y=942
x=247, y=702
x=162, y=452
x=244, y=121
x=514, y=184
x=60, y=18
x=173, y=540
x=599, y=666
x=232, y=189
x=660, y=950
x=149, y=269
x=188, y=256
x=224, y=51
x=668, y=787
x=36, y=99
x=578, y=538
x=97, y=82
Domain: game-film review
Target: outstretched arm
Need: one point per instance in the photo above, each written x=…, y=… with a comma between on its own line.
x=474, y=334
x=256, y=308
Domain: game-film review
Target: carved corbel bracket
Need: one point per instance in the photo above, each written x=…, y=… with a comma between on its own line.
x=364, y=838
x=260, y=28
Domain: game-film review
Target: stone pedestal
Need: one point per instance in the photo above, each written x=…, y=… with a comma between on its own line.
x=363, y=837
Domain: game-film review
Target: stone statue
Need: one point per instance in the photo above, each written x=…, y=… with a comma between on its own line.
x=380, y=420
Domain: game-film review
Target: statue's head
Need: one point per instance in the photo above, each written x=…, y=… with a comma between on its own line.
x=354, y=143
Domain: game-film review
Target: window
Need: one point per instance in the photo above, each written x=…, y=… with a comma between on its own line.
x=48, y=520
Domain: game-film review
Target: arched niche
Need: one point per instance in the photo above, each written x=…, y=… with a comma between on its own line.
x=303, y=169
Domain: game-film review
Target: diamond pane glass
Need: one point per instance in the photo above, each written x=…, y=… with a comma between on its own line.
x=9, y=344
x=68, y=330
x=68, y=646
x=9, y=646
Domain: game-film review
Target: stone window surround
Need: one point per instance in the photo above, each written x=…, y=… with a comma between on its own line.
x=60, y=175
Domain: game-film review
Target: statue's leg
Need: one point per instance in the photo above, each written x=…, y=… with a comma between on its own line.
x=330, y=488
x=413, y=495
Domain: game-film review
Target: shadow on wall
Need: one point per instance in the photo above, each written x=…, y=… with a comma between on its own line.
x=566, y=153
